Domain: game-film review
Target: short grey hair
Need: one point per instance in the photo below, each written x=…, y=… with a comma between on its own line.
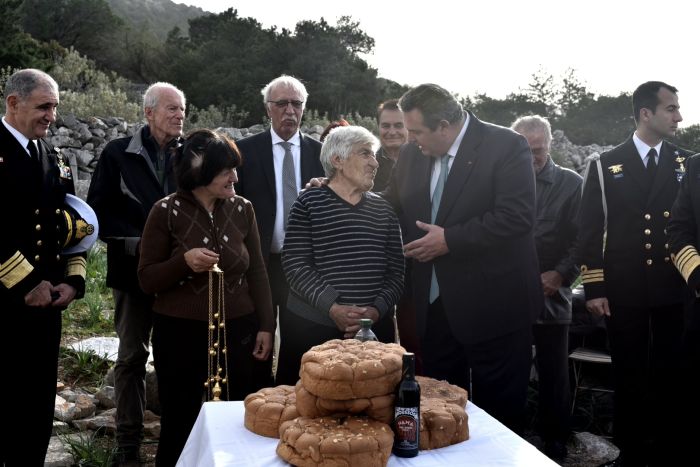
x=341, y=141
x=531, y=124
x=288, y=82
x=152, y=94
x=23, y=82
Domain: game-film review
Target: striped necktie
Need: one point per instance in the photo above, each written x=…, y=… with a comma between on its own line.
x=289, y=181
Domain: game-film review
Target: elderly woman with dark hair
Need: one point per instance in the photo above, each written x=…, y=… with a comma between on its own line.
x=200, y=314
x=342, y=253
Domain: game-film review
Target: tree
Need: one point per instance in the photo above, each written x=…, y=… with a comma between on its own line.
x=87, y=25
x=17, y=48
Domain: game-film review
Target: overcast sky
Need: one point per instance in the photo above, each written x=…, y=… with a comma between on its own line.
x=494, y=46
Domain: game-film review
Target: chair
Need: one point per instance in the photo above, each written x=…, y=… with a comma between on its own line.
x=586, y=326
x=579, y=357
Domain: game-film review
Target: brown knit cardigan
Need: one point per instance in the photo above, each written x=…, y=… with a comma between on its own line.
x=178, y=223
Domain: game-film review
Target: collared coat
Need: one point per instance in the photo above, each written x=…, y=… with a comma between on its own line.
x=256, y=178
x=489, y=281
x=32, y=237
x=629, y=262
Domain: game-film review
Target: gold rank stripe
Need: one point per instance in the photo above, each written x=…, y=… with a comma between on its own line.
x=686, y=261
x=14, y=270
x=76, y=267
x=589, y=276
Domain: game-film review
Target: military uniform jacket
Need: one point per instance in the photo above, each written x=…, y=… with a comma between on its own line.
x=684, y=226
x=33, y=232
x=630, y=262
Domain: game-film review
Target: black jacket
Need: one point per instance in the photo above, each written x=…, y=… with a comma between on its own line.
x=630, y=261
x=123, y=189
x=558, y=199
x=31, y=239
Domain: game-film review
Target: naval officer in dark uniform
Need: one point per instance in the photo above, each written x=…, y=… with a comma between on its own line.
x=37, y=280
x=628, y=276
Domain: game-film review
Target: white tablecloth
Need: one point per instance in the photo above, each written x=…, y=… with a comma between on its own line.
x=219, y=438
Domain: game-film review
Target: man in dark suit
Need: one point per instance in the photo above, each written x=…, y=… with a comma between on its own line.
x=275, y=164
x=628, y=275
x=464, y=191
x=37, y=279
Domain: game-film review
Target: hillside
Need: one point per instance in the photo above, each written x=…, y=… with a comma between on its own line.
x=156, y=16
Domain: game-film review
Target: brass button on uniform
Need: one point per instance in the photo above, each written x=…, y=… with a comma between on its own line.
x=667, y=259
x=36, y=212
x=666, y=213
x=649, y=262
x=38, y=227
x=58, y=211
x=647, y=246
x=58, y=257
x=647, y=232
x=666, y=246
x=38, y=243
x=647, y=216
x=36, y=258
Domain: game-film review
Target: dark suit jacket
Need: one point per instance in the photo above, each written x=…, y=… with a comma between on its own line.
x=489, y=280
x=256, y=178
x=33, y=230
x=636, y=268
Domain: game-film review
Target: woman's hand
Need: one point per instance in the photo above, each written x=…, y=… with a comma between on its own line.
x=263, y=345
x=201, y=259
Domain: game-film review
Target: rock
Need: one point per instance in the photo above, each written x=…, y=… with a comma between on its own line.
x=57, y=454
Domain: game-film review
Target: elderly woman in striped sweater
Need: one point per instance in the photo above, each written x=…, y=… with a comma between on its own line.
x=342, y=253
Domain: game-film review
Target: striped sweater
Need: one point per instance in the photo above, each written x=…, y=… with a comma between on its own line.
x=335, y=252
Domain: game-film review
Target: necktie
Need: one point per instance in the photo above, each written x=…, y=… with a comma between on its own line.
x=651, y=164
x=435, y=205
x=289, y=181
x=33, y=151
x=439, y=186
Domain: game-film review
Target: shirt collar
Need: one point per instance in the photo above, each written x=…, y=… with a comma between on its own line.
x=547, y=172
x=458, y=140
x=643, y=148
x=21, y=139
x=276, y=139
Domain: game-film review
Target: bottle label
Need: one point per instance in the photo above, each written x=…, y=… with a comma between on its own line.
x=407, y=423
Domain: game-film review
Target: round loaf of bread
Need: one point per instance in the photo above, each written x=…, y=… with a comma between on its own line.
x=334, y=442
x=441, y=424
x=380, y=408
x=344, y=369
x=435, y=389
x=266, y=409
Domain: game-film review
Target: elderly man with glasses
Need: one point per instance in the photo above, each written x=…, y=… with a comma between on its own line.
x=276, y=164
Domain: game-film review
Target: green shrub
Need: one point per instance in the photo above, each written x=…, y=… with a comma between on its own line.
x=93, y=450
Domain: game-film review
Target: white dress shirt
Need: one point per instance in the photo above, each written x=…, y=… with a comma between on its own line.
x=278, y=159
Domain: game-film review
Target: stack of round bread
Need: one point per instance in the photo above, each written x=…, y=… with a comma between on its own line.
x=340, y=410
x=341, y=379
x=443, y=419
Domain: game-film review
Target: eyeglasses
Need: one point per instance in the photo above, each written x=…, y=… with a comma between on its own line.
x=284, y=103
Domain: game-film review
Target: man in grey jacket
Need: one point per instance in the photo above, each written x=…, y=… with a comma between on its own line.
x=131, y=175
x=558, y=195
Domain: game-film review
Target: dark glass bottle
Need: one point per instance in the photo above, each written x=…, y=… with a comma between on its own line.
x=365, y=333
x=407, y=411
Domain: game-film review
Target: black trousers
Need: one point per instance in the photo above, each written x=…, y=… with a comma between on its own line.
x=181, y=361
x=646, y=360
x=29, y=344
x=495, y=371
x=552, y=359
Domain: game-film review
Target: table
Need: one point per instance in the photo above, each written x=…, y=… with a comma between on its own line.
x=219, y=439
